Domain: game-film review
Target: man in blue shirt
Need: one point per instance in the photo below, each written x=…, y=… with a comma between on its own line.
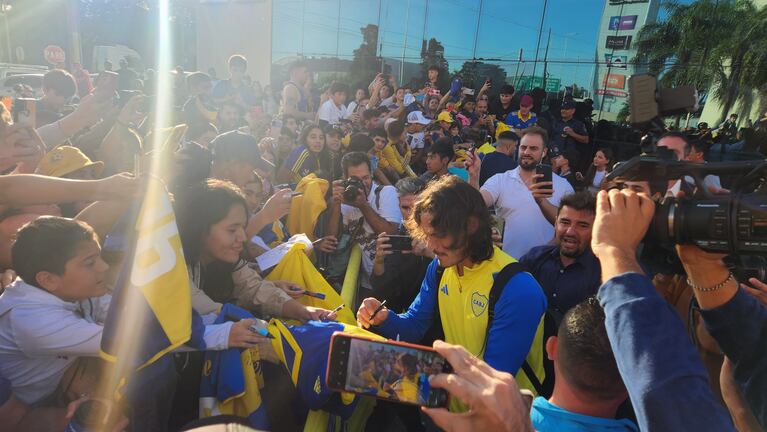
x=663, y=373
x=567, y=270
x=502, y=159
x=452, y=219
x=589, y=388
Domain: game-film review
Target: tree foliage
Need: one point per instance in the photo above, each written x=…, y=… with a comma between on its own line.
x=715, y=45
x=365, y=63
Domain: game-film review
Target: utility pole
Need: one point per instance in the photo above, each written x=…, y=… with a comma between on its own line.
x=540, y=32
x=404, y=43
x=546, y=60
x=74, y=54
x=4, y=9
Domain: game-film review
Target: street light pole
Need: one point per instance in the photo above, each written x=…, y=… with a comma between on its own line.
x=4, y=9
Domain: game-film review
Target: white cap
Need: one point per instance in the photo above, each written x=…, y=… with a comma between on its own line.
x=417, y=117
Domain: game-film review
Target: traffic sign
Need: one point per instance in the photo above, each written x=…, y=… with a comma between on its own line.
x=54, y=54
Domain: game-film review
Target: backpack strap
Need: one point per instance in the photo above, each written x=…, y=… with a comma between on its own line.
x=501, y=279
x=437, y=331
x=378, y=190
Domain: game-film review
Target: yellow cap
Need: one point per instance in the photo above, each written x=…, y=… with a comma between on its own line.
x=66, y=160
x=445, y=117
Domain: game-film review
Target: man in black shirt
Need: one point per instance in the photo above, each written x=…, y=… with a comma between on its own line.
x=501, y=106
x=570, y=133
x=562, y=162
x=58, y=88
x=397, y=277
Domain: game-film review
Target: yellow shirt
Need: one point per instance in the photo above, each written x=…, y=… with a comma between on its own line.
x=467, y=302
x=406, y=389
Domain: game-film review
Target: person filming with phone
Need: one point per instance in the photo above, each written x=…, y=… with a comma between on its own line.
x=475, y=292
x=526, y=200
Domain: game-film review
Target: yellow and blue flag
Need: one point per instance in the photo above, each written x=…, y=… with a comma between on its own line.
x=151, y=310
x=232, y=380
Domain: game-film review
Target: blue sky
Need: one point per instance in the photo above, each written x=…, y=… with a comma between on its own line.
x=506, y=26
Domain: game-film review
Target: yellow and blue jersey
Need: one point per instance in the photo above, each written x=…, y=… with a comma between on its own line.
x=519, y=121
x=516, y=333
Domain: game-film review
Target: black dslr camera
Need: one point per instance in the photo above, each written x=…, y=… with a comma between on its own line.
x=352, y=187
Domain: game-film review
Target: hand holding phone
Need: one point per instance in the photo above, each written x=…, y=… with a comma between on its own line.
x=504, y=408
x=401, y=243
x=394, y=371
x=543, y=185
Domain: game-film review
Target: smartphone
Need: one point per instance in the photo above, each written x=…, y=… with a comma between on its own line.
x=24, y=111
x=544, y=169
x=295, y=194
x=394, y=371
x=400, y=243
x=468, y=91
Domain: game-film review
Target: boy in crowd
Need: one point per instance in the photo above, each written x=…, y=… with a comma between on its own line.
x=333, y=110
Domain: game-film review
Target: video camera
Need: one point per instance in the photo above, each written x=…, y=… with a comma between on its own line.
x=734, y=223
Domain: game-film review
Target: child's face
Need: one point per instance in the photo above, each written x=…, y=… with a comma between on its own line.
x=339, y=98
x=291, y=124
x=380, y=143
x=333, y=142
x=254, y=194
x=84, y=275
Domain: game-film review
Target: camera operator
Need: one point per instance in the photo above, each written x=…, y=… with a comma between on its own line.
x=736, y=320
x=665, y=378
x=407, y=268
x=361, y=209
x=688, y=151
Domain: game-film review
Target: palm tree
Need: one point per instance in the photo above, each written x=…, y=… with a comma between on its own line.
x=745, y=74
x=714, y=45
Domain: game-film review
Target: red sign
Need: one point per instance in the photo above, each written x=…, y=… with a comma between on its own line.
x=54, y=54
x=618, y=93
x=616, y=81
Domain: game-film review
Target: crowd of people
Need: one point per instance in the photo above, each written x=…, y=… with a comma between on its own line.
x=483, y=217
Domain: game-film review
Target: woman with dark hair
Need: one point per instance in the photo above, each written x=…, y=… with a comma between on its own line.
x=211, y=219
x=598, y=170
x=309, y=158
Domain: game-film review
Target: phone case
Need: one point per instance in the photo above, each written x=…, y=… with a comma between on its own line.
x=447, y=369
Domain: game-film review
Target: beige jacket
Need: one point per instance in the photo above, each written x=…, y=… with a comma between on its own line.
x=250, y=290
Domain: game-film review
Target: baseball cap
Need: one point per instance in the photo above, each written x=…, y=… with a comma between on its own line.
x=526, y=101
x=66, y=160
x=568, y=104
x=417, y=117
x=445, y=117
x=239, y=146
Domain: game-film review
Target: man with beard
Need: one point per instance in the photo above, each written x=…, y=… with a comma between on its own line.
x=528, y=205
x=567, y=270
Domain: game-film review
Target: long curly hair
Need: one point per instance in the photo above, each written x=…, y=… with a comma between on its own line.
x=452, y=203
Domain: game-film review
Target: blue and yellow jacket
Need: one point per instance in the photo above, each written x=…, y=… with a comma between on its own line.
x=517, y=330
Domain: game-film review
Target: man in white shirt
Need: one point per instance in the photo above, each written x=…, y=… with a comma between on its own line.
x=371, y=211
x=333, y=110
x=528, y=206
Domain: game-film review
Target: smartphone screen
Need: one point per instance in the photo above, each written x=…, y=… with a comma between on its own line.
x=544, y=169
x=389, y=370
